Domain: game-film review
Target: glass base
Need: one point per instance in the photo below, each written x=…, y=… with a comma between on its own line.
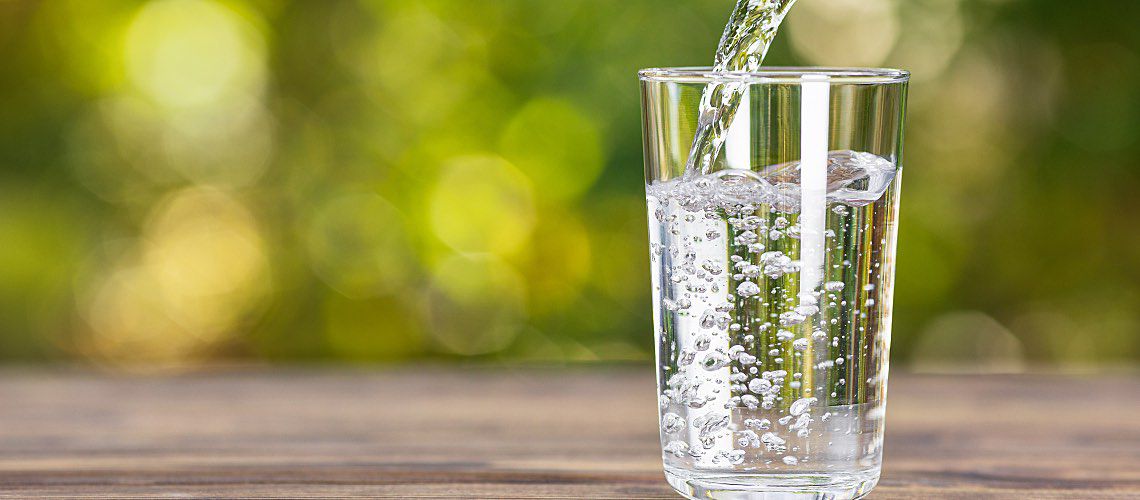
x=743, y=486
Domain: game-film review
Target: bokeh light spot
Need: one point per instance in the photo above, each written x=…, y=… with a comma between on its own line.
x=844, y=32
x=931, y=34
x=556, y=145
x=482, y=204
x=207, y=259
x=130, y=323
x=412, y=43
x=968, y=340
x=227, y=146
x=358, y=245
x=195, y=278
x=185, y=53
x=558, y=261
x=475, y=305
x=972, y=111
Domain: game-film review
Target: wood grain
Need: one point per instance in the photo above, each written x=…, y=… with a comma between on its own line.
x=436, y=433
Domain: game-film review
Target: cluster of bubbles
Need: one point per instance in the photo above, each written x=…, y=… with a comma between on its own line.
x=740, y=383
x=854, y=178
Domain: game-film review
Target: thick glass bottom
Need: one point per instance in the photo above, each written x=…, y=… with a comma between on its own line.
x=743, y=486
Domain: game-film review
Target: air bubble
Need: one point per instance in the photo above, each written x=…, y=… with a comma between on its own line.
x=746, y=238
x=747, y=289
x=714, y=360
x=672, y=423
x=748, y=439
x=801, y=405
x=702, y=342
x=709, y=423
x=758, y=424
x=708, y=319
x=773, y=442
x=792, y=318
x=677, y=448
x=759, y=385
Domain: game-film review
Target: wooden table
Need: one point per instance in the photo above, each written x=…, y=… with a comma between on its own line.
x=521, y=433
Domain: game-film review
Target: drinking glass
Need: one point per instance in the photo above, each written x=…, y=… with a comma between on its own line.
x=773, y=273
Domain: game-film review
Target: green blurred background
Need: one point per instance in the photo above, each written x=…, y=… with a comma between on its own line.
x=202, y=181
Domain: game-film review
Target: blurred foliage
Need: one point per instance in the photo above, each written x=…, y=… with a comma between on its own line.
x=187, y=181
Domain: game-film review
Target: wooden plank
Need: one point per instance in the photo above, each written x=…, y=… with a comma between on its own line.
x=517, y=434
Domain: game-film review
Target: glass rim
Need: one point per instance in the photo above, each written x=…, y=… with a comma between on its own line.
x=776, y=74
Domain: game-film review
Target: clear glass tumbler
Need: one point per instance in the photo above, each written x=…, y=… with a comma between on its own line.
x=773, y=274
